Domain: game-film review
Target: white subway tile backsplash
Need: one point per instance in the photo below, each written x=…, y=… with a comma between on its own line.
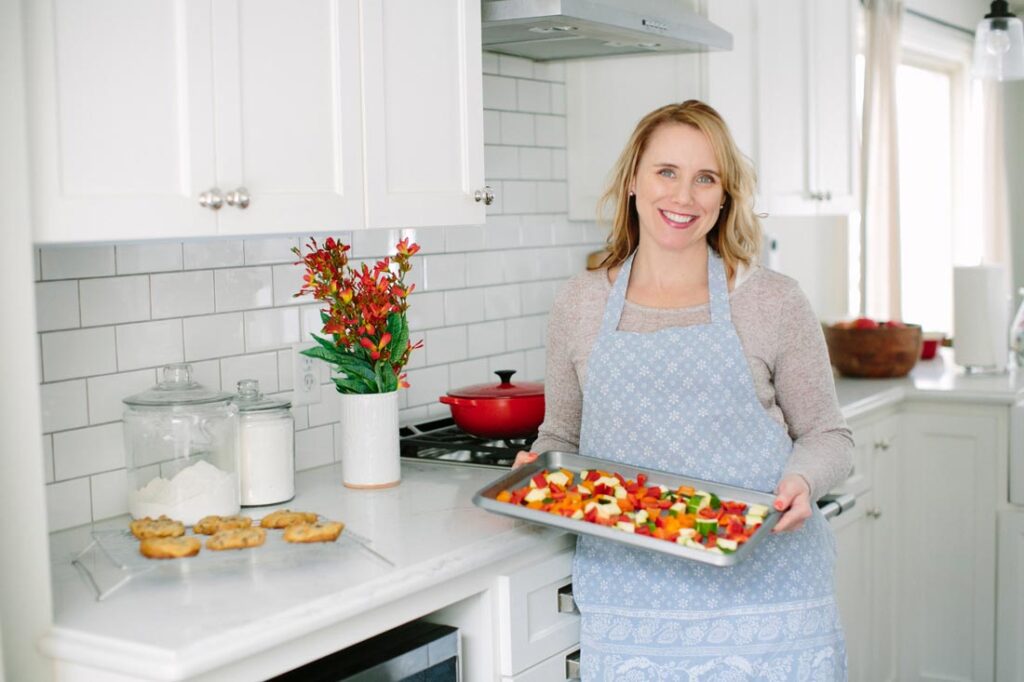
x=486, y=338
x=206, y=373
x=535, y=362
x=486, y=268
x=88, y=451
x=213, y=253
x=538, y=296
x=73, y=262
x=551, y=197
x=430, y=239
x=325, y=411
x=57, y=305
x=271, y=250
x=492, y=127
x=418, y=358
x=501, y=161
x=533, y=96
x=155, y=257
x=522, y=333
x=558, y=98
x=446, y=345
x=444, y=272
x=112, y=300
x=536, y=230
x=48, y=457
x=243, y=288
x=177, y=294
x=517, y=128
x=37, y=267
x=109, y=494
x=502, y=232
x=469, y=372
x=567, y=232
x=549, y=71
x=427, y=385
x=106, y=393
x=314, y=447
x=534, y=163
x=595, y=232
x=310, y=322
x=520, y=196
x=262, y=367
x=550, y=131
x=463, y=305
x=374, y=243
x=426, y=310
x=464, y=238
x=516, y=361
x=301, y=415
x=285, y=380
x=489, y=62
x=271, y=329
x=523, y=266
x=149, y=344
x=517, y=67
x=213, y=336
x=558, y=164
x=64, y=405
x=502, y=302
x=68, y=504
x=78, y=353
x=499, y=92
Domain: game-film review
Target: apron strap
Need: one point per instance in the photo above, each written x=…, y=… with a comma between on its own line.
x=718, y=290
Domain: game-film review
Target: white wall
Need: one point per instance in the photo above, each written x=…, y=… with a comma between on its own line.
x=110, y=315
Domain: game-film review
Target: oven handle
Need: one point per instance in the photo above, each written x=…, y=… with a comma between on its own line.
x=832, y=506
x=572, y=666
x=566, y=604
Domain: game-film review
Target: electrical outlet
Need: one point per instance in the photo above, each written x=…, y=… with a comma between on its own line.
x=305, y=376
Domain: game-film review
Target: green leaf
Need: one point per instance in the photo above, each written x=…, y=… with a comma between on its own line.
x=326, y=343
x=350, y=385
x=353, y=366
x=325, y=353
x=324, y=316
x=398, y=327
x=386, y=379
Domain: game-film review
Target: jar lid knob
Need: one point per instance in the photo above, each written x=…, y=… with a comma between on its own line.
x=177, y=373
x=249, y=389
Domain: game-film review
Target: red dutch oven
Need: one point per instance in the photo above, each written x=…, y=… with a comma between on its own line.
x=505, y=410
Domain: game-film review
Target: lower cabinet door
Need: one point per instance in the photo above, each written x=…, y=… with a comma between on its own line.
x=1010, y=597
x=535, y=619
x=558, y=667
x=853, y=585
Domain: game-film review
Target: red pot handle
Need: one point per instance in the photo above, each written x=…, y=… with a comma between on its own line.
x=452, y=400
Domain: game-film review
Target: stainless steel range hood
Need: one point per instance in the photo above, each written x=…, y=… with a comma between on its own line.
x=545, y=30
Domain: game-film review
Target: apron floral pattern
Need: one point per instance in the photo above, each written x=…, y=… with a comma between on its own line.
x=682, y=400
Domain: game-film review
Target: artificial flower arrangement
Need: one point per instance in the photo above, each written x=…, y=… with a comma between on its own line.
x=365, y=317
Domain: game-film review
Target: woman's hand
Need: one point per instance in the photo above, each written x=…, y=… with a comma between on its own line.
x=794, y=500
x=524, y=457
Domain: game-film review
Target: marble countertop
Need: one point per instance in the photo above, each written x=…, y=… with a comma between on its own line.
x=180, y=620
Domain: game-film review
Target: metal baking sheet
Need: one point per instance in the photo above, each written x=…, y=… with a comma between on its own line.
x=486, y=499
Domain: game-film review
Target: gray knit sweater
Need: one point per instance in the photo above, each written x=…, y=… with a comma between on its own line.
x=782, y=341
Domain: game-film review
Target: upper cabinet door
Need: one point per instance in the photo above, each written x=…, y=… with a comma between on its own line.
x=287, y=113
x=121, y=127
x=423, y=113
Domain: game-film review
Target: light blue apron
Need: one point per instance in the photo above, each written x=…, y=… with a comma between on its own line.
x=682, y=400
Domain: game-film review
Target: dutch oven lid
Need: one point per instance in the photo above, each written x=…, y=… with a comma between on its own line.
x=506, y=389
x=177, y=388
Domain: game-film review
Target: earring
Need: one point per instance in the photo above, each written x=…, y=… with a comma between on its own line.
x=630, y=192
x=721, y=207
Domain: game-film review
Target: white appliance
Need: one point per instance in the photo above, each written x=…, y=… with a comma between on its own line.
x=545, y=30
x=980, y=318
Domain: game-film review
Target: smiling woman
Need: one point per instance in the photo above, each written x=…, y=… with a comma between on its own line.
x=681, y=354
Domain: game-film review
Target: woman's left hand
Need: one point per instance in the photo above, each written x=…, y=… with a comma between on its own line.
x=794, y=500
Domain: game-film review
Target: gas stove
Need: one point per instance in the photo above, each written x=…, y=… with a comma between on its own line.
x=441, y=440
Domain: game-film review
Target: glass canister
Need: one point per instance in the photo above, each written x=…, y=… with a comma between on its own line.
x=266, y=462
x=181, y=443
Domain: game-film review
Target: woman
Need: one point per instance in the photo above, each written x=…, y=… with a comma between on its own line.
x=682, y=354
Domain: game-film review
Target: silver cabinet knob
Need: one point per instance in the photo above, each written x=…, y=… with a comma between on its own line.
x=485, y=195
x=238, y=198
x=211, y=199
x=828, y=195
x=572, y=666
x=874, y=513
x=882, y=444
x=566, y=604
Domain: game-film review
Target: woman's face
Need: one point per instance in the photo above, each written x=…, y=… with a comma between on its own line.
x=678, y=188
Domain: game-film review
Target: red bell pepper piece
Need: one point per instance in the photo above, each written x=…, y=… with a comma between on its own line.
x=593, y=475
x=602, y=489
x=540, y=480
x=712, y=540
x=641, y=479
x=664, y=504
x=654, y=491
x=642, y=529
x=631, y=486
x=733, y=507
x=590, y=516
x=617, y=475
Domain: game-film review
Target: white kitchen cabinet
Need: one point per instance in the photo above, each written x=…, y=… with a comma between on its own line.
x=423, y=107
x=188, y=118
x=947, y=540
x=551, y=670
x=1010, y=615
x=865, y=573
x=806, y=153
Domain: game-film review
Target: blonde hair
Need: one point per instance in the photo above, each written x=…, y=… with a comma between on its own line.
x=736, y=236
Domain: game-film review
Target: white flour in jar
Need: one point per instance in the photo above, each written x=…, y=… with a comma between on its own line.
x=267, y=459
x=194, y=492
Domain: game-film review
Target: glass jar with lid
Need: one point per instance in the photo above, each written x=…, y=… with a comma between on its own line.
x=181, y=443
x=266, y=461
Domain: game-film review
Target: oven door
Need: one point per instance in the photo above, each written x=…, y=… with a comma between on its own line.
x=414, y=652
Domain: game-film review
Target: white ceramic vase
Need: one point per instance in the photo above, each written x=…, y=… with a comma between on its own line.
x=369, y=440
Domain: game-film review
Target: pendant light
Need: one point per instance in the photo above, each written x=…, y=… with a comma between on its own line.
x=999, y=45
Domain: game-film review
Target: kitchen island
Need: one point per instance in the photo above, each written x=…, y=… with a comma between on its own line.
x=420, y=549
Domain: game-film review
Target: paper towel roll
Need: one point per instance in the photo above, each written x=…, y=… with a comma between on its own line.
x=980, y=317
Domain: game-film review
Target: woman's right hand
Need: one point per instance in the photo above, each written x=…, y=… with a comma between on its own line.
x=524, y=457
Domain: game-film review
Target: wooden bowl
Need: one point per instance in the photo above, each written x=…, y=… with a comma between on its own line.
x=881, y=353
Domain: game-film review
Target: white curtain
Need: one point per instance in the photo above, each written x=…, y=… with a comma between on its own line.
x=995, y=208
x=880, y=191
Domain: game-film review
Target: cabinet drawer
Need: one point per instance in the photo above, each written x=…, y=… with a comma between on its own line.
x=552, y=669
x=531, y=628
